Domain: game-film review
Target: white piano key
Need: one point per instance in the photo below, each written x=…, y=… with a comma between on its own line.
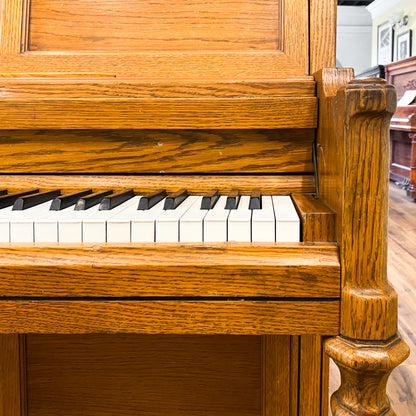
x=239, y=221
x=287, y=220
x=22, y=223
x=167, y=224
x=191, y=223
x=70, y=225
x=94, y=227
x=119, y=225
x=5, y=224
x=215, y=222
x=263, y=222
x=46, y=226
x=143, y=223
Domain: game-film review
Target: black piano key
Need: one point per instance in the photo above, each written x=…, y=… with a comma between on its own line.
x=116, y=199
x=65, y=201
x=233, y=199
x=30, y=201
x=8, y=199
x=150, y=199
x=3, y=191
x=255, y=200
x=210, y=199
x=90, y=200
x=174, y=199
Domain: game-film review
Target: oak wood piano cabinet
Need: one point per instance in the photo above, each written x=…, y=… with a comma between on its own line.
x=196, y=95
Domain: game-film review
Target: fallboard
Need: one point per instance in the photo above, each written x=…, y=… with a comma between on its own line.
x=284, y=151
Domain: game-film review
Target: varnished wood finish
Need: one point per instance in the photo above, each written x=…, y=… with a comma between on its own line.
x=154, y=82
x=402, y=75
x=140, y=26
x=330, y=146
x=361, y=207
x=310, y=375
x=13, y=398
x=170, y=270
x=166, y=113
x=364, y=265
x=294, y=374
x=270, y=184
x=10, y=27
x=126, y=375
x=249, y=317
x=276, y=365
x=322, y=20
x=318, y=220
x=73, y=86
x=164, y=57
x=157, y=151
x=364, y=364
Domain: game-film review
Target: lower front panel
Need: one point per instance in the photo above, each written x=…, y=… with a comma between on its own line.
x=108, y=375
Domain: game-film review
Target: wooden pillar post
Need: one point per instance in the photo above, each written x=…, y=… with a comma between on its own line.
x=354, y=136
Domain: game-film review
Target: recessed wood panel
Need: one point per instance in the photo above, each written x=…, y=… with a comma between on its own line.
x=157, y=151
x=164, y=25
x=100, y=375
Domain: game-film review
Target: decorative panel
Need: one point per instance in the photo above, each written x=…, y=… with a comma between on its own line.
x=166, y=25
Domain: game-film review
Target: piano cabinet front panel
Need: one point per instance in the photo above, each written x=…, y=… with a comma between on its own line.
x=106, y=375
x=400, y=155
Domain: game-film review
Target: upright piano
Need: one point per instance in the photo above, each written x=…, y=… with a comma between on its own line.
x=107, y=107
x=402, y=75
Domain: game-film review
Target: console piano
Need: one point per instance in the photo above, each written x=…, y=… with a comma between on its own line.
x=402, y=75
x=214, y=98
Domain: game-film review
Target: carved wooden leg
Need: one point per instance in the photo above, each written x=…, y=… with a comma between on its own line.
x=365, y=368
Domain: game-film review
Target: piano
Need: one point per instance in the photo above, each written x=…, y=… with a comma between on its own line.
x=271, y=253
x=402, y=75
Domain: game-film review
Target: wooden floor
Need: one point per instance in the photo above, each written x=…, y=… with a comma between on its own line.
x=402, y=275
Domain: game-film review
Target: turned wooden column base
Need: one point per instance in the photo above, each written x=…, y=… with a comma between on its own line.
x=365, y=368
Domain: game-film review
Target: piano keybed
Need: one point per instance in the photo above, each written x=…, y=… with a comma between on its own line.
x=119, y=217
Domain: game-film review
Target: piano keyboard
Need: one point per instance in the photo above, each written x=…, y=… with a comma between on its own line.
x=123, y=217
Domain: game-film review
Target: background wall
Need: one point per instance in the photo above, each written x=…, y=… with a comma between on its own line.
x=354, y=38
x=383, y=10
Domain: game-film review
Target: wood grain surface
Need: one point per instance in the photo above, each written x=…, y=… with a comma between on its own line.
x=10, y=27
x=318, y=220
x=126, y=375
x=310, y=365
x=163, y=113
x=170, y=270
x=271, y=184
x=78, y=85
x=192, y=51
x=13, y=397
x=188, y=65
x=169, y=317
x=156, y=151
x=369, y=106
x=323, y=22
x=133, y=25
x=368, y=348
x=276, y=367
x=364, y=372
